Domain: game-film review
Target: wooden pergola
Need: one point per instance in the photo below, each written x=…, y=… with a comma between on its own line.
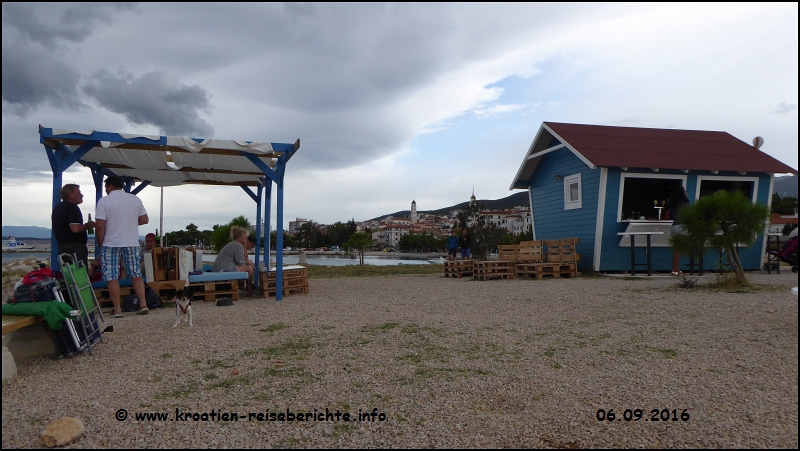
x=146, y=160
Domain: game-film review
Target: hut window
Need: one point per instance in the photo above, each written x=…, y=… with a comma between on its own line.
x=572, y=192
x=710, y=185
x=641, y=193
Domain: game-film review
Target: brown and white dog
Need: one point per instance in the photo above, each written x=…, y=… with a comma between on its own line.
x=183, y=307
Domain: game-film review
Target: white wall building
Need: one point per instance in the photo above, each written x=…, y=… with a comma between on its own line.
x=294, y=226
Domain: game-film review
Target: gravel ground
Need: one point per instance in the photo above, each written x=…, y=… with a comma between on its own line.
x=446, y=363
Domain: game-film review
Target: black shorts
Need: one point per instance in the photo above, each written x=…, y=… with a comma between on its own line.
x=452, y=252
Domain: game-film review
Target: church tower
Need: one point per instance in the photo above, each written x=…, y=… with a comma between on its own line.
x=414, y=212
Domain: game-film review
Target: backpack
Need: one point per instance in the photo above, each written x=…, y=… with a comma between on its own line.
x=36, y=286
x=131, y=303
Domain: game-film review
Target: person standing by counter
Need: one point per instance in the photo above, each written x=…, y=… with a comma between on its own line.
x=678, y=199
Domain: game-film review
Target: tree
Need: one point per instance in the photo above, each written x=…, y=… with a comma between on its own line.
x=722, y=220
x=360, y=241
x=222, y=234
x=785, y=206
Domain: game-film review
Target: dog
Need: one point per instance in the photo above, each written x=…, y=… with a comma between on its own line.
x=183, y=308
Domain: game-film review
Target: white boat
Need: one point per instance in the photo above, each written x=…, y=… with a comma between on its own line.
x=12, y=245
x=437, y=260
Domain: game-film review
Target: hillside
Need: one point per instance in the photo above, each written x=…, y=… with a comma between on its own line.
x=519, y=199
x=786, y=186
x=26, y=232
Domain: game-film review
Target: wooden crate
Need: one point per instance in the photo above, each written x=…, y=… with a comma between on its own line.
x=508, y=252
x=458, y=268
x=486, y=270
x=211, y=291
x=294, y=281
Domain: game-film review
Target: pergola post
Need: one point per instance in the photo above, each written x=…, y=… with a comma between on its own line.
x=267, y=221
x=260, y=193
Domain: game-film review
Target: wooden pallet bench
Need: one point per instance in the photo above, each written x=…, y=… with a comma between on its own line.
x=459, y=268
x=211, y=291
x=487, y=270
x=295, y=281
x=103, y=298
x=167, y=291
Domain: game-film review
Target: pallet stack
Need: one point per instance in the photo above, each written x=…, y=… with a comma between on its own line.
x=560, y=260
x=487, y=270
x=295, y=280
x=458, y=268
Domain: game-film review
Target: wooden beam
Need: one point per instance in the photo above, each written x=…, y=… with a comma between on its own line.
x=187, y=169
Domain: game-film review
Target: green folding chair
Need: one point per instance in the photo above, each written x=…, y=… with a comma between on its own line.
x=82, y=296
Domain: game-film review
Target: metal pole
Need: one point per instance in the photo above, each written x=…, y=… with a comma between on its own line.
x=161, y=218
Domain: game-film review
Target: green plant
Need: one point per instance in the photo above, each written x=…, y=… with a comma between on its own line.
x=721, y=220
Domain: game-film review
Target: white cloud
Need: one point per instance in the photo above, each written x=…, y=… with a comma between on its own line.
x=499, y=109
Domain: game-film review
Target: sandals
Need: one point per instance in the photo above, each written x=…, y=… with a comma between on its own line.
x=677, y=273
x=143, y=311
x=115, y=315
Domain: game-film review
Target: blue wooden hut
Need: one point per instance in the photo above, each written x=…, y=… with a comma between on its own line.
x=593, y=182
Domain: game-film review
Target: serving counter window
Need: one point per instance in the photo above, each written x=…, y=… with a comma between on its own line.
x=646, y=196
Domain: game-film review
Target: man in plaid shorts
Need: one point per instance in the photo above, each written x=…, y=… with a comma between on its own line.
x=118, y=217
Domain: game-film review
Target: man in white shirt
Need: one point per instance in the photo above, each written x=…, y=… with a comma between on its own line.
x=119, y=215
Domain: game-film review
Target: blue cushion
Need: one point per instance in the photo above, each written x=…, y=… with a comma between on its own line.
x=207, y=268
x=217, y=276
x=104, y=283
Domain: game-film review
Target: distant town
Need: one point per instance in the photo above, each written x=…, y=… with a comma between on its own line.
x=388, y=231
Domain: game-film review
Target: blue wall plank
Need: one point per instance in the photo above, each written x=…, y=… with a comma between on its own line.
x=551, y=220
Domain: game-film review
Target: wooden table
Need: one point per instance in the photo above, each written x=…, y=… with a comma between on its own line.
x=633, y=250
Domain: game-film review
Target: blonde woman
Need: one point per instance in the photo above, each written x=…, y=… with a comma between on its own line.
x=233, y=257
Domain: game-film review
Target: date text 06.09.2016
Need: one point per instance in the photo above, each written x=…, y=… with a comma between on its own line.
x=636, y=415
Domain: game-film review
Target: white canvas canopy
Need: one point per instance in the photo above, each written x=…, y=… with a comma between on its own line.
x=170, y=161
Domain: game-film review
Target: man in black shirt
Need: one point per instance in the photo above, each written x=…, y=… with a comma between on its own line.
x=68, y=226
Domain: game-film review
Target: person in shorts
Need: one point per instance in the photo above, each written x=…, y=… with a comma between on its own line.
x=119, y=215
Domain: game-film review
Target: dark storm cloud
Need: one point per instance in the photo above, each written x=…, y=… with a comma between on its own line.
x=46, y=23
x=33, y=76
x=156, y=98
x=35, y=52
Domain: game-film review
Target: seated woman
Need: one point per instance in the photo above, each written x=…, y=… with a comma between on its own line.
x=233, y=257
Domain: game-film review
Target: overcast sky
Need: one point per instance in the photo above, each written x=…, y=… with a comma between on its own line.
x=391, y=102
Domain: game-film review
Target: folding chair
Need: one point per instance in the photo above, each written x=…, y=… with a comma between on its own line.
x=82, y=297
